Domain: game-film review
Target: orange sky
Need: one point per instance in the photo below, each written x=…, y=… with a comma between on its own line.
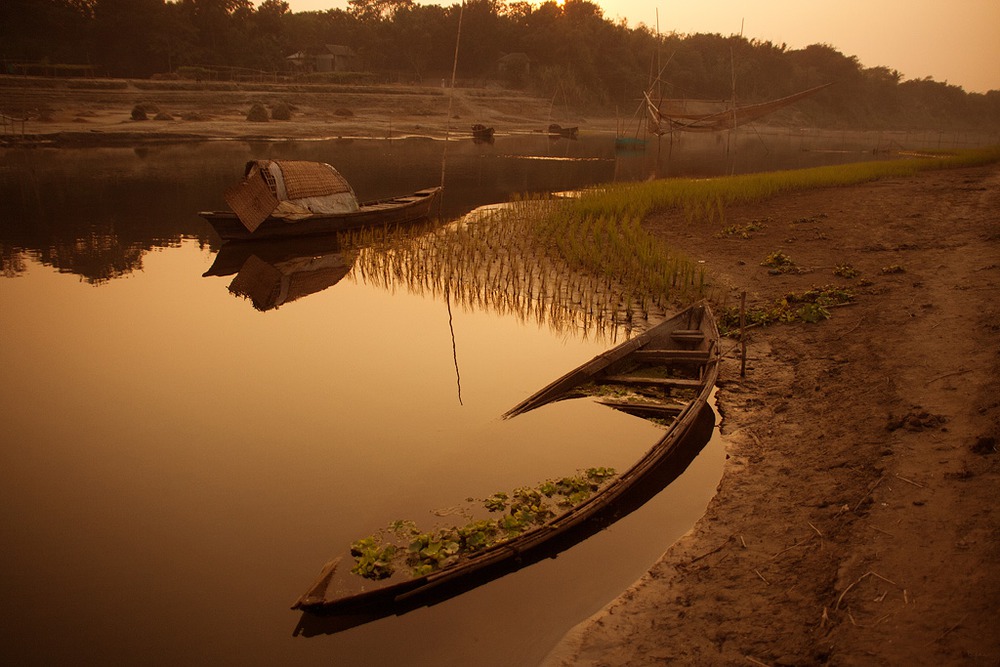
x=957, y=42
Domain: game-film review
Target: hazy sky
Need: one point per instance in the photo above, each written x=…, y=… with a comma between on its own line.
x=956, y=41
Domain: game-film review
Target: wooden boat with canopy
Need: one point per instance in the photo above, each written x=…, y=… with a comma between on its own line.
x=666, y=373
x=290, y=198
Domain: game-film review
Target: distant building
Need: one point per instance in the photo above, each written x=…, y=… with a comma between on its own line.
x=514, y=68
x=329, y=58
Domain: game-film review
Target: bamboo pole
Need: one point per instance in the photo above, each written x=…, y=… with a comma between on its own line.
x=743, y=339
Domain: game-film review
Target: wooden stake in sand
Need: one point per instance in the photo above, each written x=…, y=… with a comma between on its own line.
x=743, y=340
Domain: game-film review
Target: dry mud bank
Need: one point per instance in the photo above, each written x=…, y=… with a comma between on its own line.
x=855, y=523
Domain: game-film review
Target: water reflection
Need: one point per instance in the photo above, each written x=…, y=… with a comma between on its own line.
x=273, y=273
x=96, y=212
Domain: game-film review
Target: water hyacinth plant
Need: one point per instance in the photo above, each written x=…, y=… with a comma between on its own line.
x=403, y=544
x=810, y=306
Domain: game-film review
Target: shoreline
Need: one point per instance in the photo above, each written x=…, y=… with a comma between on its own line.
x=855, y=522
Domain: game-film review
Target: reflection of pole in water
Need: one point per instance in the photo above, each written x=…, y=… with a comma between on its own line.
x=454, y=347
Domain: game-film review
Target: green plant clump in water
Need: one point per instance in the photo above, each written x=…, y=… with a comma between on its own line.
x=810, y=306
x=372, y=559
x=426, y=552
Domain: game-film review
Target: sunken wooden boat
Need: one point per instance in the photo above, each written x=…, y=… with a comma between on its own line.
x=291, y=198
x=666, y=373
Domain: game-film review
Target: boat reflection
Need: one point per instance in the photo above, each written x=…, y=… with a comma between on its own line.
x=271, y=274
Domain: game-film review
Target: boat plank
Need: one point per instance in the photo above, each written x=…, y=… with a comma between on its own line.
x=655, y=381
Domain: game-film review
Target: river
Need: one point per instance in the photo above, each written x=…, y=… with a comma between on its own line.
x=178, y=461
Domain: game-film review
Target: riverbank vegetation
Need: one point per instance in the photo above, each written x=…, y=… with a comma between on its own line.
x=585, y=262
x=705, y=200
x=568, y=52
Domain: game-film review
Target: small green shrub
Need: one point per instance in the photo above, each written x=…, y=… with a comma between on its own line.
x=846, y=271
x=257, y=113
x=742, y=231
x=778, y=262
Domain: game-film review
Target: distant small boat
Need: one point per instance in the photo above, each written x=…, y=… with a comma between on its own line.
x=290, y=198
x=482, y=132
x=630, y=144
x=666, y=373
x=564, y=132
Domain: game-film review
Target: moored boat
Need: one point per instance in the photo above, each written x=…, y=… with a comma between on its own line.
x=291, y=198
x=557, y=130
x=481, y=132
x=666, y=373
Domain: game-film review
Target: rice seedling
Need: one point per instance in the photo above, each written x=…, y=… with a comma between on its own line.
x=586, y=263
x=705, y=200
x=534, y=259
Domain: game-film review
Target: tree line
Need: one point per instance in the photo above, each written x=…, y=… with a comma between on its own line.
x=569, y=52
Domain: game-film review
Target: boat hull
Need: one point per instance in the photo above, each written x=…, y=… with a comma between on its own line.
x=398, y=210
x=690, y=338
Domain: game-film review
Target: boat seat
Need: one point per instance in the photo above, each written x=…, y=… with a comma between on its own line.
x=688, y=335
x=644, y=409
x=672, y=356
x=680, y=383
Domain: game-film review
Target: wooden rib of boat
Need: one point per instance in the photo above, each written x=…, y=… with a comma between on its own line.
x=668, y=373
x=392, y=211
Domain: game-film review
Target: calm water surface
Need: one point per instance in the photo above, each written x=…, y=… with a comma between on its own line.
x=177, y=465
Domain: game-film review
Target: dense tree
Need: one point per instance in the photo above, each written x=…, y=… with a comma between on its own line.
x=567, y=51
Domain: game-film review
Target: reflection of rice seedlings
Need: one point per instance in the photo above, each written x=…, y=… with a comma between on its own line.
x=533, y=259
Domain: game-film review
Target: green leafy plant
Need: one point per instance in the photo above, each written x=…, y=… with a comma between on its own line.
x=812, y=313
x=372, y=559
x=742, y=231
x=378, y=556
x=810, y=306
x=846, y=271
x=779, y=262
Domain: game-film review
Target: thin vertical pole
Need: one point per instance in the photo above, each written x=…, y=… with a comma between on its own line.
x=451, y=96
x=743, y=338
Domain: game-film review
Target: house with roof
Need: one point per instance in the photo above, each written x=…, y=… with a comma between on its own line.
x=328, y=58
